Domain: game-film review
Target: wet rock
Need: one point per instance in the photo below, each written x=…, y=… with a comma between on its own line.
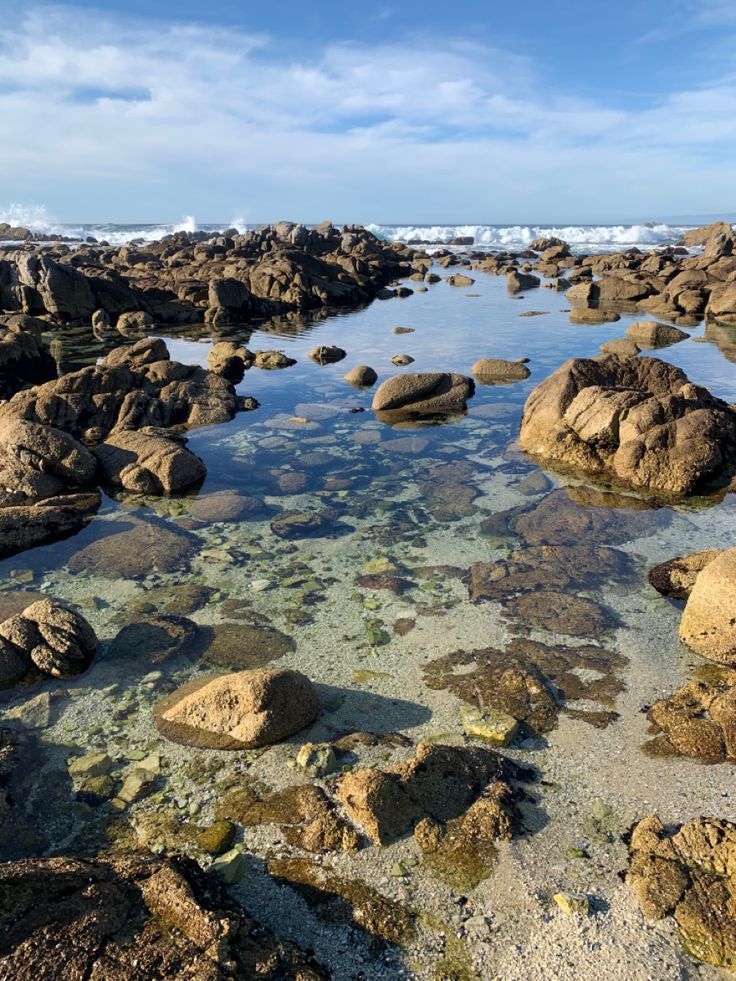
x=402, y=330
x=153, y=639
x=371, y=911
x=495, y=371
x=327, y=354
x=238, y=711
x=23, y=358
x=132, y=917
x=688, y=873
x=292, y=481
x=28, y=525
x=650, y=334
x=217, y=838
x=708, y=624
x=149, y=461
x=439, y=782
x=413, y=396
x=362, y=376
x=305, y=814
x=317, y=759
x=395, y=584
x=562, y=613
x=138, y=551
x=698, y=720
x=229, y=359
x=459, y=280
x=52, y=639
x=299, y=524
x=593, y=315
x=238, y=646
x=402, y=359
x=494, y=727
x=533, y=682
x=637, y=421
x=226, y=505
x=558, y=567
x=517, y=281
x=272, y=359
x=534, y=483
x=676, y=577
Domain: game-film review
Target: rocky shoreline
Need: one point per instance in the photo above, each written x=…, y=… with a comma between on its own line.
x=631, y=424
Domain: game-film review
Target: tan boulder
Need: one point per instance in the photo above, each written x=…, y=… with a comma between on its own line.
x=651, y=334
x=496, y=371
x=622, y=347
x=149, y=461
x=419, y=394
x=708, y=624
x=327, y=354
x=676, y=577
x=237, y=711
x=362, y=376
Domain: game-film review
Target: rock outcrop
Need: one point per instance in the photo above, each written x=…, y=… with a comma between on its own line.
x=688, y=873
x=636, y=421
x=132, y=917
x=237, y=711
x=422, y=395
x=23, y=358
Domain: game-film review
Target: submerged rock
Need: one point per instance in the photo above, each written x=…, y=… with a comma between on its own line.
x=562, y=613
x=238, y=711
x=689, y=873
x=46, y=639
x=132, y=917
x=419, y=395
x=238, y=646
x=138, y=551
x=708, y=624
x=637, y=421
x=154, y=639
x=225, y=505
x=327, y=354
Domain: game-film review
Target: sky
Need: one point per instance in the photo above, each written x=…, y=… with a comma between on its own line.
x=416, y=111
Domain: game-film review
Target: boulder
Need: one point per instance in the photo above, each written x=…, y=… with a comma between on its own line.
x=149, y=461
x=238, y=711
x=418, y=395
x=24, y=526
x=138, y=551
x=650, y=334
x=327, y=354
x=721, y=307
x=622, y=347
x=269, y=360
x=637, y=421
x=708, y=624
x=362, y=376
x=229, y=359
x=496, y=371
x=459, y=280
x=47, y=637
x=23, y=358
x=517, y=281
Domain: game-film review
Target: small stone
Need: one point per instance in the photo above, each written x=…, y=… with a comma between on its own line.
x=231, y=866
x=573, y=904
x=261, y=585
x=92, y=765
x=317, y=759
x=493, y=726
x=217, y=838
x=34, y=713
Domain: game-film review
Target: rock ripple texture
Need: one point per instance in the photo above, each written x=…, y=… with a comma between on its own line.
x=636, y=421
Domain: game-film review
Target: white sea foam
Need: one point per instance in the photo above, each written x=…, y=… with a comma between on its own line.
x=584, y=237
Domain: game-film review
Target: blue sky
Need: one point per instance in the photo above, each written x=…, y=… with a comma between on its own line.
x=387, y=112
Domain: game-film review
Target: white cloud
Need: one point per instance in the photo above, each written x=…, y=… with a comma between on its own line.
x=119, y=118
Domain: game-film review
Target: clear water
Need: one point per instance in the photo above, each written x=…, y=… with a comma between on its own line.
x=400, y=494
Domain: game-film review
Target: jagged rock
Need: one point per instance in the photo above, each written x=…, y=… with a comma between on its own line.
x=651, y=334
x=238, y=711
x=269, y=360
x=517, y=281
x=23, y=358
x=708, y=624
x=495, y=371
x=132, y=917
x=676, y=577
x=362, y=376
x=459, y=280
x=47, y=637
x=413, y=396
x=638, y=421
x=229, y=359
x=149, y=461
x=688, y=873
x=699, y=720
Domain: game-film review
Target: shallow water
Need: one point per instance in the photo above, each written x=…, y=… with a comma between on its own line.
x=421, y=500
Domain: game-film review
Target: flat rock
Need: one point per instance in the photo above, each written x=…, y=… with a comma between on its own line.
x=146, y=547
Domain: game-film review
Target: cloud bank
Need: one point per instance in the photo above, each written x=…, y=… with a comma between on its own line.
x=113, y=118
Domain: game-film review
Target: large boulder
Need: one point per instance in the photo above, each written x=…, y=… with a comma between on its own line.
x=45, y=639
x=23, y=358
x=708, y=624
x=418, y=395
x=238, y=711
x=721, y=306
x=651, y=334
x=149, y=461
x=637, y=421
x=132, y=917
